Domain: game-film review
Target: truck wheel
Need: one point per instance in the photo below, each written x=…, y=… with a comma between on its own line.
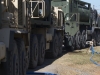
x=83, y=39
x=78, y=42
x=27, y=57
x=12, y=61
x=66, y=43
x=41, y=51
x=22, y=57
x=60, y=42
x=33, y=51
x=72, y=47
x=54, y=46
x=98, y=39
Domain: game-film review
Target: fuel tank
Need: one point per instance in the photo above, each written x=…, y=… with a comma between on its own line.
x=84, y=14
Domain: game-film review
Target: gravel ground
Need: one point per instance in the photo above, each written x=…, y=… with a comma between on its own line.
x=72, y=63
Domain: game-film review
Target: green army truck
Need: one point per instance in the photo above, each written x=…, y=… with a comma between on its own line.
x=78, y=22
x=47, y=31
x=29, y=29
x=14, y=41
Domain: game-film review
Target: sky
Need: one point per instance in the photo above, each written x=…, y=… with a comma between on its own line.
x=96, y=3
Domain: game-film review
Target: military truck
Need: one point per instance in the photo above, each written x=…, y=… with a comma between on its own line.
x=28, y=30
x=78, y=22
x=47, y=31
x=95, y=27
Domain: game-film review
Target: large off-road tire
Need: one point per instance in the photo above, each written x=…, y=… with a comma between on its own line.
x=54, y=46
x=27, y=57
x=41, y=49
x=33, y=51
x=78, y=42
x=83, y=39
x=22, y=56
x=98, y=39
x=12, y=63
x=66, y=43
x=72, y=47
x=60, y=42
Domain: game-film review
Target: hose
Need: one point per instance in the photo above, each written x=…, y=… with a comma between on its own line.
x=93, y=52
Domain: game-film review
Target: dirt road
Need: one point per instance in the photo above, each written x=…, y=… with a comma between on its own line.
x=72, y=63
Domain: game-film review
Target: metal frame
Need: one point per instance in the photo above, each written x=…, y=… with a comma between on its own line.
x=72, y=14
x=43, y=8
